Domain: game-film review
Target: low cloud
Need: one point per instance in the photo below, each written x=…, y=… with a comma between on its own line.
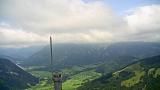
x=144, y=23
x=19, y=37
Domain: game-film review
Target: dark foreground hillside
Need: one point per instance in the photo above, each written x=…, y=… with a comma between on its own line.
x=13, y=77
x=140, y=75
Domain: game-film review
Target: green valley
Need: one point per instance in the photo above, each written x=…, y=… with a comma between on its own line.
x=116, y=66
x=71, y=83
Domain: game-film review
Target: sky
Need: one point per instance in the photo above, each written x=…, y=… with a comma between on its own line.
x=31, y=22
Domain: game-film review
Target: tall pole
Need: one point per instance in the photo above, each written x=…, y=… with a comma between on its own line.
x=57, y=77
x=51, y=51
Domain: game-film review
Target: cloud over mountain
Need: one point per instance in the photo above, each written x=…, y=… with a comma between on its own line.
x=32, y=21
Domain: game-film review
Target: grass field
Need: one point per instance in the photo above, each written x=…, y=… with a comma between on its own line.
x=42, y=74
x=136, y=68
x=79, y=79
x=157, y=72
x=133, y=80
x=43, y=85
x=74, y=81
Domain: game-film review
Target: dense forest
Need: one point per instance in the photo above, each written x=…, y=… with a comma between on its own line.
x=13, y=77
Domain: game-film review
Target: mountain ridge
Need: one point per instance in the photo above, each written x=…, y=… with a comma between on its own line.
x=140, y=75
x=78, y=54
x=13, y=77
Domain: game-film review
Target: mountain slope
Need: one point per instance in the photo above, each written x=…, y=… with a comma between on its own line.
x=13, y=77
x=18, y=54
x=140, y=75
x=83, y=54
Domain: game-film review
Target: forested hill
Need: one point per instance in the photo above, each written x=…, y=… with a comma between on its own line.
x=141, y=75
x=82, y=54
x=13, y=77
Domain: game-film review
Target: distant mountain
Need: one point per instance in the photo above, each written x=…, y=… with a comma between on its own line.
x=84, y=54
x=67, y=54
x=140, y=75
x=18, y=54
x=13, y=77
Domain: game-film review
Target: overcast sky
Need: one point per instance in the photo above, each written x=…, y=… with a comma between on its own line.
x=31, y=22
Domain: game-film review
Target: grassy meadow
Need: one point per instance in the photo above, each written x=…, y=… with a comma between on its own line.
x=75, y=78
